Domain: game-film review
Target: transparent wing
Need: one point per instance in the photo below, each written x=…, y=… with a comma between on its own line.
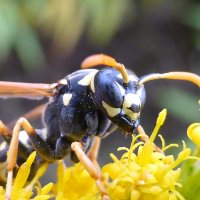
x=26, y=90
x=31, y=115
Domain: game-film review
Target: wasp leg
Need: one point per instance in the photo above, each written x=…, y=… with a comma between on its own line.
x=94, y=150
x=13, y=151
x=46, y=151
x=92, y=155
x=145, y=138
x=5, y=140
x=24, y=150
x=3, y=152
x=92, y=167
x=6, y=134
x=5, y=131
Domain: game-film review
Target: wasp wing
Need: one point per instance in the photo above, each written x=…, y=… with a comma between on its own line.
x=31, y=115
x=26, y=90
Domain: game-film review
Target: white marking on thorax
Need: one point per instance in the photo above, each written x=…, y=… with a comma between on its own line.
x=66, y=98
x=92, y=85
x=122, y=90
x=111, y=110
x=63, y=82
x=43, y=133
x=130, y=99
x=23, y=137
x=86, y=80
x=133, y=78
x=3, y=145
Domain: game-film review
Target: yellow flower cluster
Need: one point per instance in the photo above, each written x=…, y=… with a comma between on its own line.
x=75, y=183
x=147, y=174
x=21, y=191
x=142, y=173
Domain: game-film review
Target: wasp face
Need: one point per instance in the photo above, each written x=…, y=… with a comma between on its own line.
x=120, y=102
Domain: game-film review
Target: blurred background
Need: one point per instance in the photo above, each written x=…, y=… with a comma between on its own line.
x=43, y=41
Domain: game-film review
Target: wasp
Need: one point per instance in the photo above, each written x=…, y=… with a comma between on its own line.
x=83, y=107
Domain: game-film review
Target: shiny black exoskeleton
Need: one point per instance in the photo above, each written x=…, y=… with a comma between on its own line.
x=88, y=103
x=91, y=103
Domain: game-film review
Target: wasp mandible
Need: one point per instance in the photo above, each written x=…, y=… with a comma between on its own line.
x=83, y=107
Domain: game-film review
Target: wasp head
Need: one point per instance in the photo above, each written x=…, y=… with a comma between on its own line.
x=121, y=102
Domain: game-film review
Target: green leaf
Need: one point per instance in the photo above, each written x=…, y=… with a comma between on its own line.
x=180, y=103
x=29, y=49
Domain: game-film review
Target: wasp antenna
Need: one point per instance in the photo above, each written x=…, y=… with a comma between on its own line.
x=185, y=76
x=102, y=59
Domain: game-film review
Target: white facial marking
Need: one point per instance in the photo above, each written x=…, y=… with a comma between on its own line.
x=120, y=76
x=130, y=99
x=63, y=82
x=87, y=79
x=122, y=90
x=133, y=78
x=3, y=145
x=111, y=110
x=66, y=98
x=43, y=133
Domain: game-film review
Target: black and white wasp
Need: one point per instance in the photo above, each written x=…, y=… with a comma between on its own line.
x=83, y=105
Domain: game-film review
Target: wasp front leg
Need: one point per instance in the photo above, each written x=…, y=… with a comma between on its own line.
x=89, y=160
x=13, y=149
x=38, y=143
x=91, y=165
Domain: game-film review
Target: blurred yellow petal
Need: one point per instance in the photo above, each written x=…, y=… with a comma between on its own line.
x=46, y=189
x=75, y=183
x=23, y=173
x=38, y=174
x=42, y=197
x=193, y=133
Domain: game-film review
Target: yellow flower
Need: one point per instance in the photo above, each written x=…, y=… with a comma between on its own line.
x=75, y=183
x=194, y=133
x=23, y=191
x=147, y=174
x=142, y=173
x=190, y=173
